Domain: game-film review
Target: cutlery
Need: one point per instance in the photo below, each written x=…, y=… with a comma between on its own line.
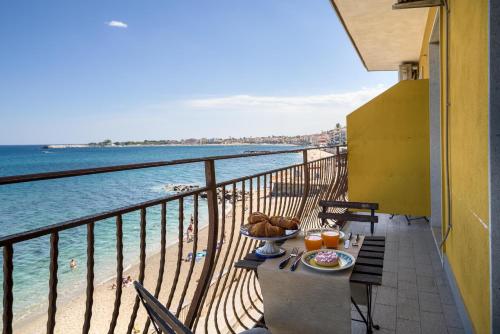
x=348, y=241
x=294, y=253
x=296, y=263
x=355, y=243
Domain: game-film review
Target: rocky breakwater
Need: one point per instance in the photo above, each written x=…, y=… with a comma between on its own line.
x=228, y=195
x=181, y=188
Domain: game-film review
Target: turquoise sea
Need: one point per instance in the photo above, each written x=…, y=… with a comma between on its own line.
x=31, y=205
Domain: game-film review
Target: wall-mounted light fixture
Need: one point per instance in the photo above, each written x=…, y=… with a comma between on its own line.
x=406, y=4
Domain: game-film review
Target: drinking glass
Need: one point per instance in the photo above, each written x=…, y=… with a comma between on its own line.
x=313, y=241
x=330, y=238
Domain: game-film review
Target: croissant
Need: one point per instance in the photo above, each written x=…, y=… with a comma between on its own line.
x=293, y=223
x=257, y=217
x=288, y=223
x=276, y=220
x=274, y=231
x=265, y=229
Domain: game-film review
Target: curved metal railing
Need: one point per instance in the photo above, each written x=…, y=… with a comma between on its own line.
x=208, y=294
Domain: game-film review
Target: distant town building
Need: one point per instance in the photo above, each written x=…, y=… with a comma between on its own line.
x=336, y=136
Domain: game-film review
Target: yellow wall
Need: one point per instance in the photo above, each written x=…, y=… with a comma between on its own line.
x=467, y=247
x=388, y=156
x=424, y=50
x=388, y=145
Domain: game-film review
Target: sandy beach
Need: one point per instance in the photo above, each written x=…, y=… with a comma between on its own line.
x=317, y=154
x=70, y=314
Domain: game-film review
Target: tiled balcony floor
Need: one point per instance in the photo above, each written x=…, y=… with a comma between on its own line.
x=415, y=296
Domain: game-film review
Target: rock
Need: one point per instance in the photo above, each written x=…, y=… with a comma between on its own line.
x=228, y=195
x=181, y=188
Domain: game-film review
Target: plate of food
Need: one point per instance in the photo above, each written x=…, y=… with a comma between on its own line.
x=270, y=229
x=328, y=260
x=246, y=230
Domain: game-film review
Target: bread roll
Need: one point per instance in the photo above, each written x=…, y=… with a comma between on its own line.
x=265, y=230
x=276, y=220
x=274, y=231
x=288, y=223
x=258, y=229
x=293, y=223
x=257, y=217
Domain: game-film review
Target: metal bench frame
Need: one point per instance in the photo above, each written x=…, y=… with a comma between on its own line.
x=342, y=217
x=368, y=271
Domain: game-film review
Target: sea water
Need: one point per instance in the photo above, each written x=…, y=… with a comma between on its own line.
x=32, y=205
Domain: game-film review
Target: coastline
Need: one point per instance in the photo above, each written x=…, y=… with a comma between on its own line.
x=66, y=146
x=70, y=312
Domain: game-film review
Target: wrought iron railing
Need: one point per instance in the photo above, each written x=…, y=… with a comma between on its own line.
x=209, y=295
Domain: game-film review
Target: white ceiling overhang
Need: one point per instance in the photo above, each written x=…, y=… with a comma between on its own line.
x=383, y=37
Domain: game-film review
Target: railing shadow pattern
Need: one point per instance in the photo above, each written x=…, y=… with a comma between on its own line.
x=206, y=292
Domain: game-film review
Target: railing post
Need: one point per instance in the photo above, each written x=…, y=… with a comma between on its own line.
x=53, y=280
x=213, y=224
x=8, y=284
x=305, y=186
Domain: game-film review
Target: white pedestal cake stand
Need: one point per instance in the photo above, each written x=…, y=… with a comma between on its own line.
x=270, y=248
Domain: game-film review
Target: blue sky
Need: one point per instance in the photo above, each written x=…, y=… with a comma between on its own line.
x=175, y=69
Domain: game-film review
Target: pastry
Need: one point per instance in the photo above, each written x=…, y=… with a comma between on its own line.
x=257, y=217
x=326, y=259
x=293, y=223
x=265, y=230
x=274, y=231
x=288, y=223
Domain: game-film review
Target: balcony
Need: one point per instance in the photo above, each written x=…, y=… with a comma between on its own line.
x=196, y=279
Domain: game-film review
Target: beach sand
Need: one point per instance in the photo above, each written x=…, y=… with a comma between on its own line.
x=70, y=314
x=317, y=154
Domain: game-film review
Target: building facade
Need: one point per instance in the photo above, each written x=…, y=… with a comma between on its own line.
x=435, y=152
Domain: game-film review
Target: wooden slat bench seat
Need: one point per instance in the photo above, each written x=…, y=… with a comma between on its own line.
x=250, y=262
x=368, y=271
x=371, y=255
x=366, y=278
x=375, y=249
x=246, y=264
x=370, y=261
x=329, y=210
x=253, y=257
x=374, y=243
x=374, y=238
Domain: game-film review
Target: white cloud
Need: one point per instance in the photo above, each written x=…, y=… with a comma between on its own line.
x=117, y=24
x=339, y=102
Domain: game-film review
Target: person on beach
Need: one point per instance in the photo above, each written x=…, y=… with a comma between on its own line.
x=126, y=282
x=190, y=230
x=72, y=264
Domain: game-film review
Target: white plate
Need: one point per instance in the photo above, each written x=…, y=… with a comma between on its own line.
x=346, y=260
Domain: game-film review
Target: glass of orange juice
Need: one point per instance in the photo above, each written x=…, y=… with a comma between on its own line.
x=313, y=241
x=330, y=238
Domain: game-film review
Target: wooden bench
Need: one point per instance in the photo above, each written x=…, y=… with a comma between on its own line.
x=368, y=271
x=342, y=216
x=250, y=262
